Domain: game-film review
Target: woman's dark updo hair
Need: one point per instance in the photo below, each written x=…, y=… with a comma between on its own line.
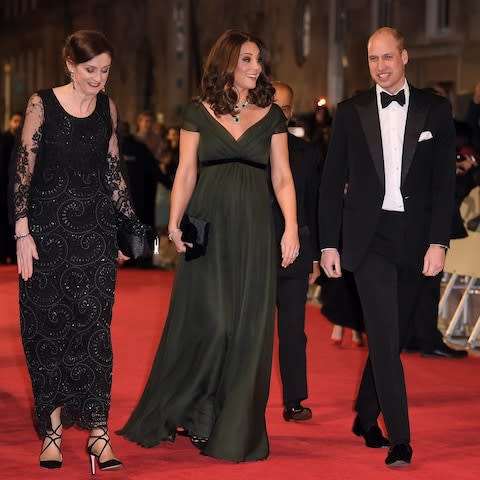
x=82, y=45
x=216, y=87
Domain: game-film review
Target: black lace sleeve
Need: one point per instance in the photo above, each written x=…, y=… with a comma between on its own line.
x=114, y=179
x=26, y=154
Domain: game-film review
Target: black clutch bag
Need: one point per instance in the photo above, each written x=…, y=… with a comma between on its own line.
x=135, y=239
x=194, y=231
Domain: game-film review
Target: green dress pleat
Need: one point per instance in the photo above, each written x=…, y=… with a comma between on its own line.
x=211, y=373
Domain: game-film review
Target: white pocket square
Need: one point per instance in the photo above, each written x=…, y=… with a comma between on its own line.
x=426, y=135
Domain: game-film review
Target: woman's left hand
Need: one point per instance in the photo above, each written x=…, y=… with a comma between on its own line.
x=290, y=247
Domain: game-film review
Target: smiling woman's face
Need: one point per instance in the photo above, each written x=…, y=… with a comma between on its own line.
x=248, y=67
x=91, y=76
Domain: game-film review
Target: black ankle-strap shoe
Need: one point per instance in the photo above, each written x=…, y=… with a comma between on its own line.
x=53, y=437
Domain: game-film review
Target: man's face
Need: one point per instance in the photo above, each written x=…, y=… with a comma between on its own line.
x=15, y=123
x=284, y=100
x=145, y=124
x=387, y=62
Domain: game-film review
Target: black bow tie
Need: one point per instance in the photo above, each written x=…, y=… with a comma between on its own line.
x=387, y=99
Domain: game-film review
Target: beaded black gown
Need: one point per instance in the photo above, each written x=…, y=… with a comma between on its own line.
x=68, y=185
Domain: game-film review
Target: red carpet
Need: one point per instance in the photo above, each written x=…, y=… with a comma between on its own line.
x=444, y=400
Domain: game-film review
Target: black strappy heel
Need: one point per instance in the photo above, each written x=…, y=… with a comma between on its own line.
x=113, y=463
x=53, y=437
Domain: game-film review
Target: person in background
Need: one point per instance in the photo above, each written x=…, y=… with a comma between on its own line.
x=340, y=304
x=142, y=172
x=7, y=142
x=473, y=117
x=315, y=120
x=146, y=133
x=211, y=375
x=67, y=192
x=168, y=165
x=293, y=281
x=394, y=146
x=425, y=336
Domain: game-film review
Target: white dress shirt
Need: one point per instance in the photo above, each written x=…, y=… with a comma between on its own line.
x=392, y=125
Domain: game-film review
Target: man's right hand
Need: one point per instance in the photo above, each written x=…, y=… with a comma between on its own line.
x=330, y=262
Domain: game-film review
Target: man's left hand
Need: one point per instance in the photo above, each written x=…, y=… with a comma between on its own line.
x=434, y=261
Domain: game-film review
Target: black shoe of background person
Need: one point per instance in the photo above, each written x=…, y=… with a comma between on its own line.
x=444, y=351
x=399, y=455
x=373, y=436
x=297, y=413
x=411, y=348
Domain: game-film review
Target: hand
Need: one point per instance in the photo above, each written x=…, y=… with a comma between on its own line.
x=121, y=258
x=26, y=252
x=290, y=247
x=434, y=261
x=180, y=245
x=315, y=273
x=330, y=262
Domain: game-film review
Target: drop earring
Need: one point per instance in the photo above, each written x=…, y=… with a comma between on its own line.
x=72, y=78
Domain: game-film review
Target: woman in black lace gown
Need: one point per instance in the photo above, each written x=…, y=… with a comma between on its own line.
x=66, y=190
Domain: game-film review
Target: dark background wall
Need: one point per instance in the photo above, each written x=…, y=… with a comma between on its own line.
x=318, y=46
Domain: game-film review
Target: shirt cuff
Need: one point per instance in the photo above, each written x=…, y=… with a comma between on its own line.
x=440, y=245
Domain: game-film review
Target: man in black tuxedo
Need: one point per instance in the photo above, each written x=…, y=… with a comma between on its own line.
x=394, y=146
x=292, y=281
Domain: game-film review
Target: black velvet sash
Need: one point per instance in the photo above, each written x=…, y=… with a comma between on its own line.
x=220, y=161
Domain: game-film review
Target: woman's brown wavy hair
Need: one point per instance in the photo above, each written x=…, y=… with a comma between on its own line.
x=216, y=87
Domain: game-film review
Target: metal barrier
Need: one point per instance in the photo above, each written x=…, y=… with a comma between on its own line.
x=463, y=263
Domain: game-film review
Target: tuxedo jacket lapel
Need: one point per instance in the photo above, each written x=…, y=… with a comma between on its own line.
x=369, y=119
x=416, y=116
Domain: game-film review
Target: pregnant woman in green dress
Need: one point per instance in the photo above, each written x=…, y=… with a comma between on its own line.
x=211, y=374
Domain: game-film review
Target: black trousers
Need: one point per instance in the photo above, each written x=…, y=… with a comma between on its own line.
x=388, y=286
x=291, y=299
x=424, y=332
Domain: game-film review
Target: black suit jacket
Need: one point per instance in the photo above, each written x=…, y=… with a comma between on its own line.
x=141, y=175
x=355, y=156
x=304, y=159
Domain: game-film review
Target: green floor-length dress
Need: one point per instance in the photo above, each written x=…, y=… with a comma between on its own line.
x=211, y=373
